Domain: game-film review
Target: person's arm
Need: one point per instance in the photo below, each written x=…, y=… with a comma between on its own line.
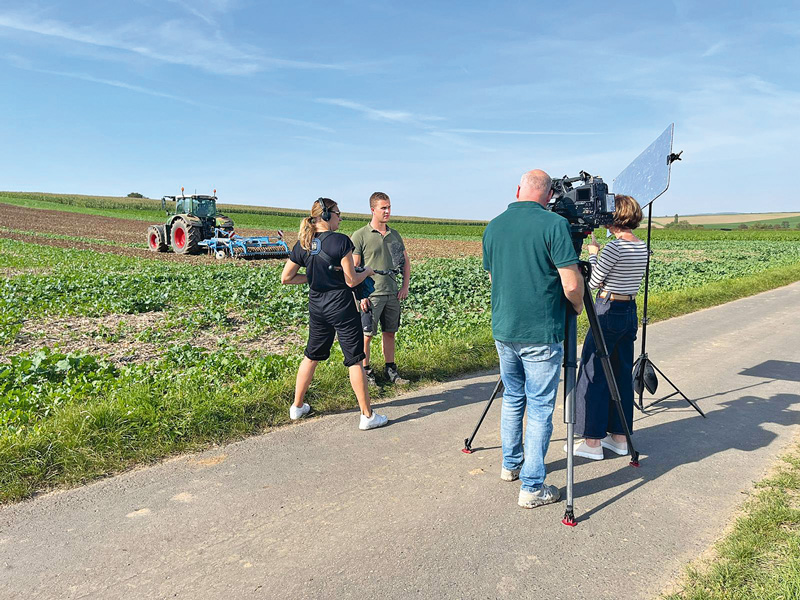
x=357, y=260
x=290, y=275
x=403, y=293
x=602, y=264
x=351, y=277
x=572, y=282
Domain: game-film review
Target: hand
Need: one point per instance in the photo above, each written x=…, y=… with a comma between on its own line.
x=593, y=246
x=578, y=309
x=365, y=305
x=403, y=293
x=369, y=271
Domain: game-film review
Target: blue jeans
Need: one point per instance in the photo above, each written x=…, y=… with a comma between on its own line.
x=530, y=375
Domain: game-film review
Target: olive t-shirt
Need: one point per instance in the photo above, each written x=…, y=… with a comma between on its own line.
x=523, y=248
x=382, y=252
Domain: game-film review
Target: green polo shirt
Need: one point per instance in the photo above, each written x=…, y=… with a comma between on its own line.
x=523, y=248
x=380, y=252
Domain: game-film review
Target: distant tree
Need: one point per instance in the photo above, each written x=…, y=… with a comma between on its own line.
x=785, y=225
x=797, y=226
x=135, y=195
x=744, y=225
x=675, y=220
x=681, y=225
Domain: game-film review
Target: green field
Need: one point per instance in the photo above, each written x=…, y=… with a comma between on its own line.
x=201, y=353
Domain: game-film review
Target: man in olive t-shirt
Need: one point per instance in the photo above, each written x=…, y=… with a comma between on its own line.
x=532, y=264
x=379, y=246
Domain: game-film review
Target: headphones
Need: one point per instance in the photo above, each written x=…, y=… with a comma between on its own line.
x=326, y=212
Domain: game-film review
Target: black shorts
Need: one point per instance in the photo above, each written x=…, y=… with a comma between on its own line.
x=330, y=314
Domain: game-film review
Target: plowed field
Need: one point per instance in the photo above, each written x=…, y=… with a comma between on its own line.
x=31, y=225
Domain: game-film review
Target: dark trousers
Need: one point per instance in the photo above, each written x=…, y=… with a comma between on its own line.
x=595, y=411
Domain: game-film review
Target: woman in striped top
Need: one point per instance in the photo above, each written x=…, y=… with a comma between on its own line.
x=617, y=272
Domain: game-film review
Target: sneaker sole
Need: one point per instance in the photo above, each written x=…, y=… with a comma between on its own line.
x=509, y=477
x=614, y=449
x=586, y=455
x=538, y=504
x=367, y=428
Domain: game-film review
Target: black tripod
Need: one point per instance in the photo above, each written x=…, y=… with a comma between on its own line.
x=570, y=377
x=643, y=368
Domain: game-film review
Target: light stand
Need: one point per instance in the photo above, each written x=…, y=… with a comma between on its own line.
x=644, y=364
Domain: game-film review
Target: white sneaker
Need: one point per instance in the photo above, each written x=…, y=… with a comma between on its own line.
x=372, y=422
x=584, y=450
x=295, y=413
x=620, y=448
x=509, y=474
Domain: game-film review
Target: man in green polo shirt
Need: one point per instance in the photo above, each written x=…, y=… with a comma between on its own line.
x=379, y=246
x=532, y=264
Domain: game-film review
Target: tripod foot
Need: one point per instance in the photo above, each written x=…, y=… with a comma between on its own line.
x=467, y=449
x=634, y=460
x=569, y=518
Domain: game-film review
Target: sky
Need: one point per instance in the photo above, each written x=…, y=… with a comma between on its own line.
x=442, y=105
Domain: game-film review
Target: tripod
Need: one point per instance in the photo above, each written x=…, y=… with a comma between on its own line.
x=643, y=367
x=570, y=377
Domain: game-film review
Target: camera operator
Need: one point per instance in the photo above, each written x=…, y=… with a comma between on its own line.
x=617, y=274
x=331, y=306
x=531, y=260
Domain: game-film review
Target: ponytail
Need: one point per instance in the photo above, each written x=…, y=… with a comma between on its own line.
x=307, y=230
x=308, y=226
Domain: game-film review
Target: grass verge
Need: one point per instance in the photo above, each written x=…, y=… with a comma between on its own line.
x=760, y=558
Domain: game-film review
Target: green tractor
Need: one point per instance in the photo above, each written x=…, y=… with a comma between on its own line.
x=194, y=219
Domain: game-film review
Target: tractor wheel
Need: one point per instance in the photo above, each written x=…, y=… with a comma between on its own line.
x=155, y=239
x=186, y=238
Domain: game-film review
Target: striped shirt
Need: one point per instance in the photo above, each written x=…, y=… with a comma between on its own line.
x=620, y=267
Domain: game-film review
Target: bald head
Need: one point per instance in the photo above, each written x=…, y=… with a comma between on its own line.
x=534, y=187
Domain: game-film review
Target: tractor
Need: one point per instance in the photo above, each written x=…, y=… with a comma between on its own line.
x=195, y=226
x=194, y=219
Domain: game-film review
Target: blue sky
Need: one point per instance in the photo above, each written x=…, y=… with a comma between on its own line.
x=441, y=105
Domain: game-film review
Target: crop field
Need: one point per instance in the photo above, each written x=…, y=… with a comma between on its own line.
x=111, y=355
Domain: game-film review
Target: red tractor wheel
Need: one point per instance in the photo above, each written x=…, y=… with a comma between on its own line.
x=185, y=238
x=155, y=239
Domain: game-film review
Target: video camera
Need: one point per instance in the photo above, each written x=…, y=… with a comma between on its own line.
x=586, y=206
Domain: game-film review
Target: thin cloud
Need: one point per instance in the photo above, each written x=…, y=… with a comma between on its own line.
x=19, y=63
x=514, y=132
x=395, y=116
x=714, y=49
x=197, y=49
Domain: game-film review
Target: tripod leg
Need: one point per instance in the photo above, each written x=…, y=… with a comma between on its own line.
x=677, y=391
x=467, y=449
x=602, y=354
x=570, y=366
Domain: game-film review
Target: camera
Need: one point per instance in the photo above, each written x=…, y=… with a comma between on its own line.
x=586, y=207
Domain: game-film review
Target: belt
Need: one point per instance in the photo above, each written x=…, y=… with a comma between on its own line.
x=612, y=296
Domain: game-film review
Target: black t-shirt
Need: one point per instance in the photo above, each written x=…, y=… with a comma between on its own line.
x=320, y=278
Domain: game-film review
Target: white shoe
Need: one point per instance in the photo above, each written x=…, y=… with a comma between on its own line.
x=584, y=450
x=372, y=422
x=509, y=474
x=295, y=413
x=620, y=448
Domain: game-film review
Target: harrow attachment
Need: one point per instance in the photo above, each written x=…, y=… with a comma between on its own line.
x=226, y=244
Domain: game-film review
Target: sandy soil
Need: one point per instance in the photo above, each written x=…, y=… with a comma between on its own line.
x=714, y=219
x=116, y=337
x=128, y=231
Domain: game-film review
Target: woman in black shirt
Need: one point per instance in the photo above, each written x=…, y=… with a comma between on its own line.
x=330, y=274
